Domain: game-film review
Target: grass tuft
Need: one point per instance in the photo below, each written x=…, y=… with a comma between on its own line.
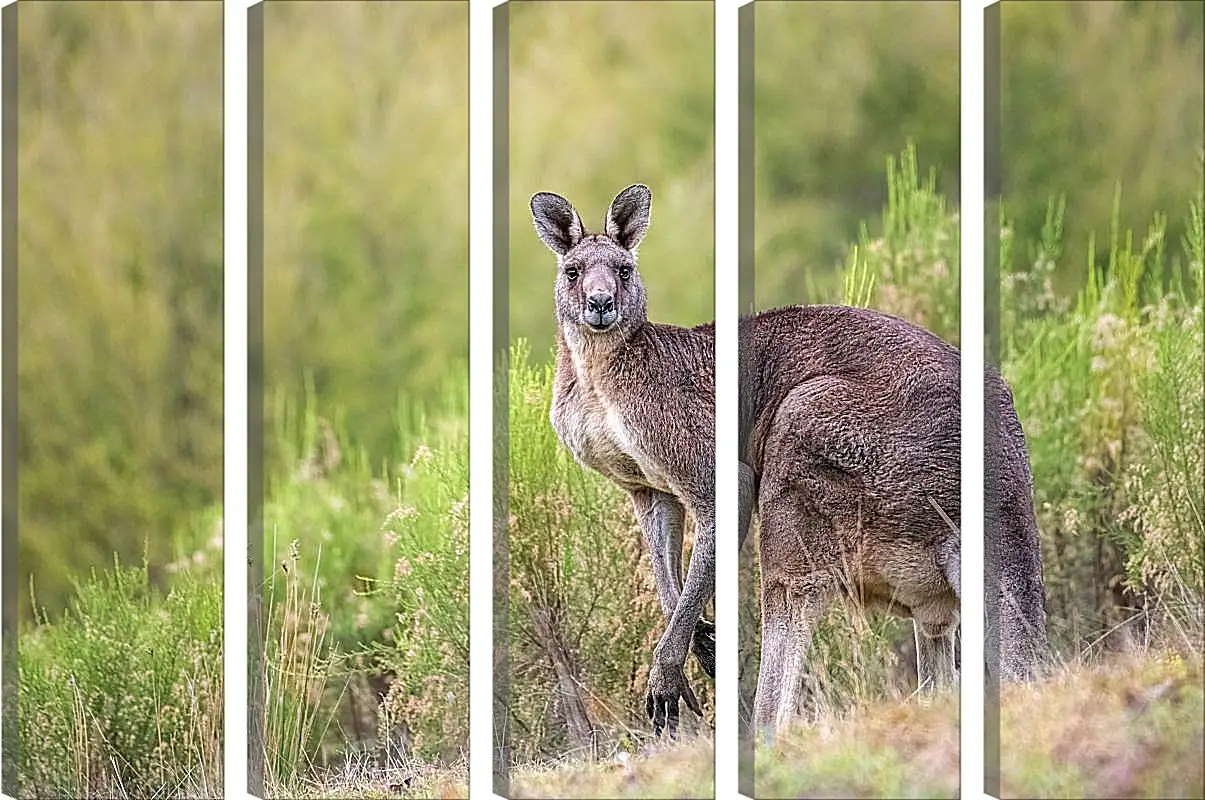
x=122, y=695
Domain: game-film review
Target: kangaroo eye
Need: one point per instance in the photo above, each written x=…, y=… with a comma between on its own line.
x=625, y=273
x=571, y=273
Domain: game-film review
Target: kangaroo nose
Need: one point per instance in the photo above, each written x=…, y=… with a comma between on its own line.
x=600, y=310
x=600, y=303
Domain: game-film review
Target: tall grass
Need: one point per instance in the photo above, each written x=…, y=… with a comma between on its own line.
x=1108, y=385
x=366, y=614
x=121, y=696
x=297, y=665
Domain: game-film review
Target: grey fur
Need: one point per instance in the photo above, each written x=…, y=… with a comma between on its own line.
x=849, y=442
x=850, y=424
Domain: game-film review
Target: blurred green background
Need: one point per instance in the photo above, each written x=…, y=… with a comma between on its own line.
x=839, y=87
x=631, y=102
x=1093, y=93
x=120, y=238
x=365, y=209
x=119, y=321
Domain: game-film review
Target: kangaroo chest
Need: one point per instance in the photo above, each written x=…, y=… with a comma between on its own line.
x=602, y=438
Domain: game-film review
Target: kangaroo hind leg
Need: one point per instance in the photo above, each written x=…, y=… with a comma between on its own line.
x=798, y=584
x=935, y=656
x=789, y=619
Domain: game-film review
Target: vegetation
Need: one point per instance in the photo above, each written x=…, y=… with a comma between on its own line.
x=1124, y=727
x=366, y=607
x=1064, y=64
x=1129, y=728
x=119, y=264
x=1112, y=379
x=119, y=400
x=121, y=696
x=837, y=86
x=685, y=770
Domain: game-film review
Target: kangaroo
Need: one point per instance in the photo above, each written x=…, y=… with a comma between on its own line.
x=849, y=441
x=635, y=401
x=850, y=426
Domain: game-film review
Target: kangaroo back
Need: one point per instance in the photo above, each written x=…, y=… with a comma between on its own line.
x=863, y=410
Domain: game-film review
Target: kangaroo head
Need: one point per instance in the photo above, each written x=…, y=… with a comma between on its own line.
x=598, y=288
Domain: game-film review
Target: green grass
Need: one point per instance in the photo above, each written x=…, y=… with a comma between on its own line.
x=366, y=603
x=685, y=769
x=1108, y=388
x=122, y=695
x=365, y=623
x=880, y=748
x=1129, y=727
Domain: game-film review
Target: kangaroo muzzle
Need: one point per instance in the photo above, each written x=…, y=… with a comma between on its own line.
x=600, y=311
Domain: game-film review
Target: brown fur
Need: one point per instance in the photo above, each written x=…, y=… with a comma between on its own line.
x=849, y=442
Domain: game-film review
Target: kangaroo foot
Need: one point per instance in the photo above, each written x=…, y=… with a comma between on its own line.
x=667, y=685
x=703, y=646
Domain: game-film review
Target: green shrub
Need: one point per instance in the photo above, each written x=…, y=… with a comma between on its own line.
x=372, y=595
x=584, y=615
x=913, y=270
x=122, y=695
x=426, y=649
x=1108, y=388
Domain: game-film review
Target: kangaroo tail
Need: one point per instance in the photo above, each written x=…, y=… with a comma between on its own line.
x=1013, y=548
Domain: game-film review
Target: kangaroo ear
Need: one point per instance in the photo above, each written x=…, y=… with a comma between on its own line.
x=628, y=216
x=557, y=223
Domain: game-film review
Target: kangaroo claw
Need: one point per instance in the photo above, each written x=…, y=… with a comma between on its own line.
x=667, y=685
x=703, y=646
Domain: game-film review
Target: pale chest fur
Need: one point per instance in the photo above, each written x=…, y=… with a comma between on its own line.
x=600, y=434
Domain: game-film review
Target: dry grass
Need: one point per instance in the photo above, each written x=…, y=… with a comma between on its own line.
x=887, y=749
x=366, y=777
x=1127, y=728
x=1130, y=728
x=682, y=770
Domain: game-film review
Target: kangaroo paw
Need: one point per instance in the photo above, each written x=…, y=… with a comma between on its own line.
x=703, y=646
x=667, y=685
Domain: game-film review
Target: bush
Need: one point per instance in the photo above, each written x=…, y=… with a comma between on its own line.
x=1108, y=389
x=366, y=613
x=426, y=650
x=122, y=696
